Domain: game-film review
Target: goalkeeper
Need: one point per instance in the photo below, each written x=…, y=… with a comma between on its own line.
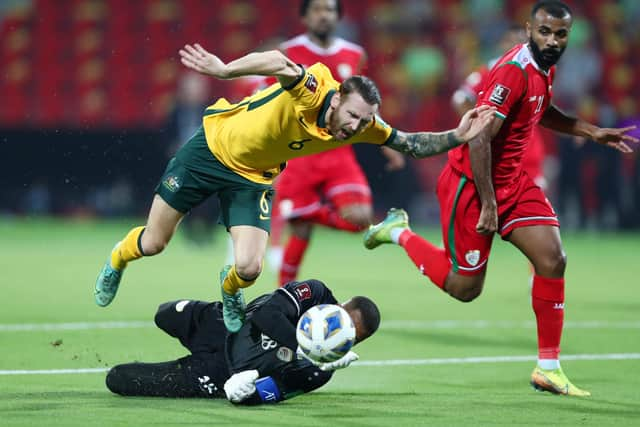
x=258, y=364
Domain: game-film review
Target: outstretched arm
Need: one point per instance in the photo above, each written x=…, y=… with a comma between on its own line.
x=269, y=63
x=425, y=144
x=616, y=138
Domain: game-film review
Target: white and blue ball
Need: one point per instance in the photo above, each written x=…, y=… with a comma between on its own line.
x=325, y=333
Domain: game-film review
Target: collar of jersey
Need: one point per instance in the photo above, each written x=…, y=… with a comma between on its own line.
x=325, y=106
x=526, y=51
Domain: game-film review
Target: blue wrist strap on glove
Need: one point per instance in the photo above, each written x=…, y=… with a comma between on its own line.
x=268, y=390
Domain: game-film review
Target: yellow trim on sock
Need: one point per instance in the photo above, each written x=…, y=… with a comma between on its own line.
x=233, y=282
x=127, y=250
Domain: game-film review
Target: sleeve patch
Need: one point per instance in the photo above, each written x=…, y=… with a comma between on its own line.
x=499, y=94
x=311, y=83
x=303, y=291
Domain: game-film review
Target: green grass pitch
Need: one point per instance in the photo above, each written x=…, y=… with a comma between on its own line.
x=434, y=362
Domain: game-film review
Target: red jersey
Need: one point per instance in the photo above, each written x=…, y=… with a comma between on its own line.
x=521, y=92
x=343, y=58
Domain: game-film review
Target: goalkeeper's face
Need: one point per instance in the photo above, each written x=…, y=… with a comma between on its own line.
x=356, y=318
x=350, y=115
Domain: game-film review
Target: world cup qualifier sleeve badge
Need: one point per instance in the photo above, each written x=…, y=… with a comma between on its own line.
x=499, y=94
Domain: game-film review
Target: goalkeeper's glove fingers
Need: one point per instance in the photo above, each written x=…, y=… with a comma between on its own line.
x=341, y=363
x=241, y=385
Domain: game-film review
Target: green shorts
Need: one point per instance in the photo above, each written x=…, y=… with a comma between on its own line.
x=195, y=173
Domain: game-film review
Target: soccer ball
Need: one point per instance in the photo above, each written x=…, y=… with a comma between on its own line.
x=325, y=333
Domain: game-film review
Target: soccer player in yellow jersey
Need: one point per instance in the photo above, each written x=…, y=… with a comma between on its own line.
x=242, y=147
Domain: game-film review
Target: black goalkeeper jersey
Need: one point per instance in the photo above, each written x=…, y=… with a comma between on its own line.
x=267, y=341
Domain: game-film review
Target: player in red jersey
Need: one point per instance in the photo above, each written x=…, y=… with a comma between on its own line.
x=467, y=95
x=328, y=188
x=483, y=190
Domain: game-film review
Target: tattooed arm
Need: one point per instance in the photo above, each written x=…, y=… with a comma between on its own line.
x=424, y=144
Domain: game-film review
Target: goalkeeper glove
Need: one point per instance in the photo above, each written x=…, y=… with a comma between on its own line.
x=341, y=363
x=241, y=385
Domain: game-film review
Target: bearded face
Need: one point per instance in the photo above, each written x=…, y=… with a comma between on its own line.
x=350, y=115
x=545, y=57
x=321, y=18
x=548, y=37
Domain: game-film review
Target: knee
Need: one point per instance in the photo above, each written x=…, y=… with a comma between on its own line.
x=360, y=216
x=153, y=244
x=552, y=265
x=248, y=269
x=361, y=221
x=114, y=380
x=301, y=228
x=467, y=295
x=160, y=318
x=464, y=289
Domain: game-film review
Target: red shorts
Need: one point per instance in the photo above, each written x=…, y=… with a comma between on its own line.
x=520, y=204
x=332, y=176
x=533, y=159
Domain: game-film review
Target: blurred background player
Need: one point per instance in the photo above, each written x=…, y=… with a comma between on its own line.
x=483, y=190
x=258, y=364
x=328, y=188
x=193, y=94
x=465, y=97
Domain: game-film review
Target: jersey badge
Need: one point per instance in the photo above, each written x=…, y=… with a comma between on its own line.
x=472, y=257
x=499, y=94
x=285, y=354
x=311, y=83
x=303, y=292
x=172, y=183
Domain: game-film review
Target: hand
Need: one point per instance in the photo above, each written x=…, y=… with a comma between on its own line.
x=473, y=122
x=197, y=58
x=615, y=138
x=241, y=385
x=395, y=160
x=341, y=363
x=488, y=221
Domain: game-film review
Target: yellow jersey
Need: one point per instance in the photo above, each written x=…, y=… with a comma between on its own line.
x=255, y=137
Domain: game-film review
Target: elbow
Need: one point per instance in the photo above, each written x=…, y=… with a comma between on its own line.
x=278, y=59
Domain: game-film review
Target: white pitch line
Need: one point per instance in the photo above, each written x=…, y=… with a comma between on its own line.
x=493, y=359
x=388, y=325
x=74, y=326
x=53, y=371
x=398, y=362
x=506, y=324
